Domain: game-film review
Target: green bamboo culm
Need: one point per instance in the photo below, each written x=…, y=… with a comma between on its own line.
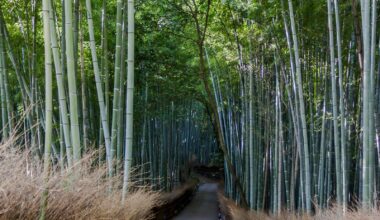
x=129, y=102
x=4, y=114
x=61, y=89
x=369, y=43
x=85, y=109
x=343, y=150
x=122, y=91
x=48, y=106
x=365, y=5
x=99, y=87
x=307, y=178
x=5, y=86
x=116, y=90
x=371, y=107
x=73, y=98
x=104, y=60
x=252, y=173
x=337, y=146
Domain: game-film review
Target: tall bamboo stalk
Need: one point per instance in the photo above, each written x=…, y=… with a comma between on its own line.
x=116, y=90
x=61, y=89
x=104, y=61
x=129, y=102
x=371, y=105
x=4, y=119
x=48, y=105
x=334, y=105
x=73, y=97
x=366, y=196
x=251, y=130
x=302, y=110
x=341, y=109
x=85, y=120
x=99, y=86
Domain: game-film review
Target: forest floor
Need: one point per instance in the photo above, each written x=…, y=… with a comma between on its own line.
x=204, y=205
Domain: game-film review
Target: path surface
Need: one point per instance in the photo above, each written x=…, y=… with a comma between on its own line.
x=204, y=205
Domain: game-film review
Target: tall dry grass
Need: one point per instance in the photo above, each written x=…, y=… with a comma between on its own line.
x=80, y=194
x=234, y=212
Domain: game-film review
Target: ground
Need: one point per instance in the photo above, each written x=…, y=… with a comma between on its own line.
x=204, y=205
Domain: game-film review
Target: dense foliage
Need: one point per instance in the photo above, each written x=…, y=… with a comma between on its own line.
x=286, y=91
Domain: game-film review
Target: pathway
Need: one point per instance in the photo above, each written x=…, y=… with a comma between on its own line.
x=204, y=205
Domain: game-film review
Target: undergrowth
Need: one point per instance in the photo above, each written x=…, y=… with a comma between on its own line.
x=81, y=193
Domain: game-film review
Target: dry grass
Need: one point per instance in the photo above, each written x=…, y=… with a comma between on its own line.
x=83, y=194
x=233, y=212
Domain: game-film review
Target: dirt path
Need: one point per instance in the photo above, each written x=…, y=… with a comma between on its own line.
x=204, y=205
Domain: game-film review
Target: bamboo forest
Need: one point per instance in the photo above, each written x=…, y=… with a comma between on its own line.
x=190, y=109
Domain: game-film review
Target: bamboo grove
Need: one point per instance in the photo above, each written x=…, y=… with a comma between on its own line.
x=283, y=94
x=305, y=132
x=60, y=103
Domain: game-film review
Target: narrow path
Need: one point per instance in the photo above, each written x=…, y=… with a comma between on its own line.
x=204, y=205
